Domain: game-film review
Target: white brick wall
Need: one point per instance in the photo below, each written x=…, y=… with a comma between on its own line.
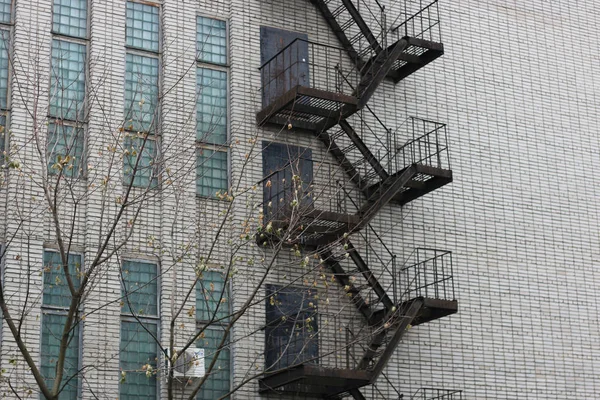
x=517, y=88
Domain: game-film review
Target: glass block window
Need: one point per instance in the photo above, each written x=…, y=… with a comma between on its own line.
x=67, y=82
x=141, y=286
x=65, y=149
x=143, y=173
x=211, y=174
x=211, y=40
x=212, y=297
x=211, y=108
x=142, y=26
x=52, y=328
x=2, y=141
x=141, y=92
x=138, y=349
x=4, y=37
x=5, y=11
x=218, y=383
x=56, y=290
x=69, y=17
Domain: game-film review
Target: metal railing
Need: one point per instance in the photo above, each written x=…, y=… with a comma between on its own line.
x=427, y=144
x=430, y=274
x=421, y=20
x=307, y=64
x=305, y=185
x=437, y=394
x=318, y=338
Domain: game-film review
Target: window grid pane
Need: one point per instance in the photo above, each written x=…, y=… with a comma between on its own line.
x=4, y=41
x=56, y=289
x=142, y=287
x=211, y=108
x=141, y=92
x=145, y=175
x=52, y=327
x=138, y=348
x=211, y=39
x=65, y=141
x=218, y=382
x=142, y=26
x=70, y=17
x=2, y=139
x=211, y=175
x=210, y=297
x=5, y=11
x=67, y=89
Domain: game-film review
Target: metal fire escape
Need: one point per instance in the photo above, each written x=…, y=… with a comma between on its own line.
x=325, y=90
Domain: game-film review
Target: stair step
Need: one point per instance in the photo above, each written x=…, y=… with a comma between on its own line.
x=346, y=25
x=338, y=11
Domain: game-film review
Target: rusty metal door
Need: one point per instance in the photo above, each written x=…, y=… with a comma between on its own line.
x=284, y=57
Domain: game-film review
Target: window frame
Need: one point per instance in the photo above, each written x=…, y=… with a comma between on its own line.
x=7, y=27
x=81, y=171
x=58, y=310
x=154, y=133
x=143, y=319
x=88, y=27
x=82, y=122
x=226, y=68
x=219, y=325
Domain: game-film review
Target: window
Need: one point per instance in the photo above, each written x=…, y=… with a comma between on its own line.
x=52, y=329
x=139, y=347
x=212, y=297
x=56, y=290
x=212, y=41
x=56, y=300
x=291, y=329
x=141, y=286
x=66, y=112
x=142, y=26
x=4, y=62
x=67, y=88
x=212, y=107
x=219, y=382
x=5, y=11
x=141, y=92
x=5, y=29
x=142, y=67
x=138, y=162
x=69, y=18
x=65, y=149
x=211, y=174
x=2, y=140
x=212, y=300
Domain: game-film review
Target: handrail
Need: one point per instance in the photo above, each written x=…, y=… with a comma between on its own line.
x=417, y=140
x=292, y=43
x=442, y=253
x=406, y=21
x=439, y=394
x=373, y=114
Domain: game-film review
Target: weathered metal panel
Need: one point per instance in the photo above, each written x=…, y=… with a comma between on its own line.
x=289, y=68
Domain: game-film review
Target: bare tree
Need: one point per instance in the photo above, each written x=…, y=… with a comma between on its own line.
x=63, y=164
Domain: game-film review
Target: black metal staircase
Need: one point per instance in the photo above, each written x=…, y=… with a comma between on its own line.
x=325, y=90
x=420, y=33
x=420, y=292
